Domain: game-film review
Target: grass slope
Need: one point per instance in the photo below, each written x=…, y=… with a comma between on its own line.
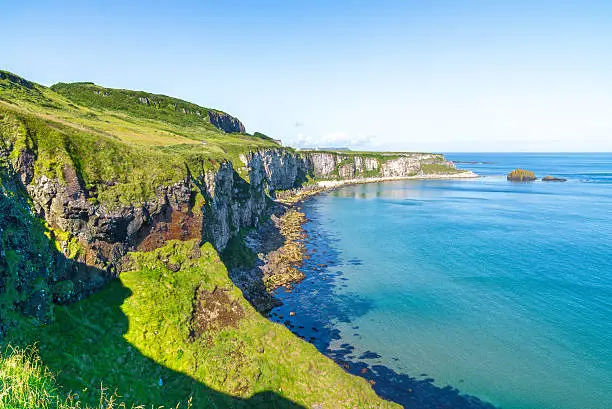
x=124, y=149
x=137, y=338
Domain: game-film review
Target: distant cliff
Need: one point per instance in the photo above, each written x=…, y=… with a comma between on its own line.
x=225, y=122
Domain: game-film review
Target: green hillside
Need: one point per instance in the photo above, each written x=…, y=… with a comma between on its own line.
x=120, y=115
x=116, y=139
x=147, y=338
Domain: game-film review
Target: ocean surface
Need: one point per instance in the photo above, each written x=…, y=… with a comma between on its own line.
x=500, y=290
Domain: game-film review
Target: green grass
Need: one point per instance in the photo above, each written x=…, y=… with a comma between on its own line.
x=26, y=383
x=237, y=253
x=138, y=331
x=438, y=168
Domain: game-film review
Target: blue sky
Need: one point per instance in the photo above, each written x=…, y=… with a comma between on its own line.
x=442, y=76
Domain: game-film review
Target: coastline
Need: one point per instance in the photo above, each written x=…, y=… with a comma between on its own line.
x=278, y=246
x=468, y=174
x=294, y=196
x=280, y=266
x=316, y=277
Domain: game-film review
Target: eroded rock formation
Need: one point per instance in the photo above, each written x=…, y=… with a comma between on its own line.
x=225, y=122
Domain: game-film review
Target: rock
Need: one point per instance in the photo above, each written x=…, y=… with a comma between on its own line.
x=25, y=166
x=403, y=166
x=521, y=175
x=553, y=179
x=225, y=122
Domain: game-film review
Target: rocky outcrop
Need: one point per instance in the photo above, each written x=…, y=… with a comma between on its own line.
x=225, y=122
x=280, y=168
x=5, y=75
x=521, y=175
x=109, y=233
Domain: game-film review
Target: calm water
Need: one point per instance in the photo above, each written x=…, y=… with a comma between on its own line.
x=502, y=290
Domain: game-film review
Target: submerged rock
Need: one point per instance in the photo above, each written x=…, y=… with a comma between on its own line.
x=553, y=179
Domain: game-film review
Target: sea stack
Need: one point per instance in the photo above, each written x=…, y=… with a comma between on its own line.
x=521, y=175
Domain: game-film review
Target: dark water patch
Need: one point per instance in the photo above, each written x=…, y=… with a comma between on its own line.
x=319, y=306
x=405, y=390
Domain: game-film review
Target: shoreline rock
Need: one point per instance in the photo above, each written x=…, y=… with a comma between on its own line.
x=553, y=179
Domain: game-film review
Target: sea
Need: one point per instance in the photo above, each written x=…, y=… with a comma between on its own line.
x=466, y=293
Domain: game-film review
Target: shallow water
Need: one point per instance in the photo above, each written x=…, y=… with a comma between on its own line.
x=502, y=290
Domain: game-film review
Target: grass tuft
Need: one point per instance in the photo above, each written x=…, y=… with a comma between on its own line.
x=26, y=383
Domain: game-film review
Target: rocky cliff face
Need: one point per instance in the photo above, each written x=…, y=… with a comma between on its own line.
x=335, y=165
x=214, y=206
x=4, y=75
x=225, y=122
x=231, y=203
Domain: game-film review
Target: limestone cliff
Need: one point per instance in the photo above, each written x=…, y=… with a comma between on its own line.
x=340, y=165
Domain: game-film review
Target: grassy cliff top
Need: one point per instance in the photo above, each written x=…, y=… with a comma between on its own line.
x=137, y=104
x=132, y=117
x=122, y=143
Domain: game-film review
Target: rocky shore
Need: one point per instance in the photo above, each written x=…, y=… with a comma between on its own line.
x=279, y=248
x=310, y=307
x=279, y=242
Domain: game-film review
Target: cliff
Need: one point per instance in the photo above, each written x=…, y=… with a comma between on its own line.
x=213, y=203
x=225, y=122
x=100, y=183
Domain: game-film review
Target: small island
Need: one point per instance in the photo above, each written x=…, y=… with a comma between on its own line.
x=553, y=179
x=521, y=175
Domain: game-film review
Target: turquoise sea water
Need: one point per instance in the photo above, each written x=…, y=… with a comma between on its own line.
x=502, y=290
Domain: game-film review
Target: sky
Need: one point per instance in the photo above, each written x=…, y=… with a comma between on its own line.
x=444, y=76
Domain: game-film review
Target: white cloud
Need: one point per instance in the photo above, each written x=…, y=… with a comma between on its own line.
x=334, y=139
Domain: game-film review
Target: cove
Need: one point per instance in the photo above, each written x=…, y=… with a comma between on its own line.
x=464, y=293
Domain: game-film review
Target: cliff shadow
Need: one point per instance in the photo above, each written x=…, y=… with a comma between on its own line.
x=86, y=349
x=84, y=343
